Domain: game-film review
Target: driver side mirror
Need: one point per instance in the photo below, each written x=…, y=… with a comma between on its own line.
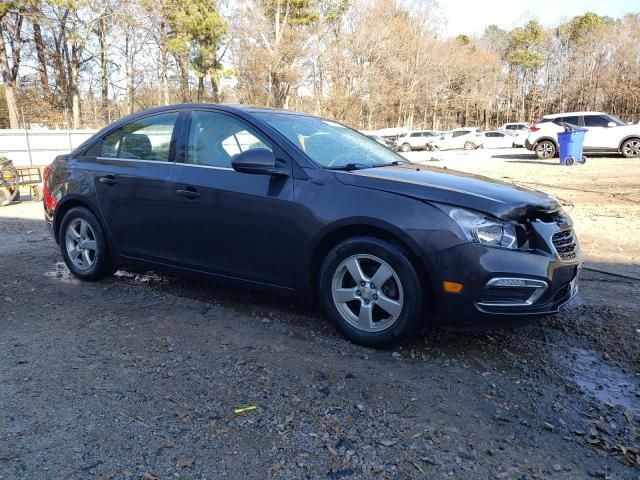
x=611, y=124
x=257, y=161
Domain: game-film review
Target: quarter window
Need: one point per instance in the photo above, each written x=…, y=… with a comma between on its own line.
x=215, y=138
x=149, y=138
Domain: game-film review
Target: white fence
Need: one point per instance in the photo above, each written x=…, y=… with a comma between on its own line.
x=39, y=147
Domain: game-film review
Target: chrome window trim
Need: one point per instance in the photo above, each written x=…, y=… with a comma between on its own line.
x=135, y=160
x=213, y=167
x=540, y=286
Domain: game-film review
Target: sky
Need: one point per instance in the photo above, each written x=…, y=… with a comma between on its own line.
x=472, y=16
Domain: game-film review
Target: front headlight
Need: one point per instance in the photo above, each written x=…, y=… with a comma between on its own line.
x=484, y=230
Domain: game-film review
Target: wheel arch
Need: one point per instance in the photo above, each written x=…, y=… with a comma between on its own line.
x=628, y=137
x=66, y=205
x=382, y=231
x=542, y=139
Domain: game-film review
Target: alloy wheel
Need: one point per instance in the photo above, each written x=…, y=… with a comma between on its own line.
x=545, y=150
x=80, y=241
x=631, y=148
x=367, y=293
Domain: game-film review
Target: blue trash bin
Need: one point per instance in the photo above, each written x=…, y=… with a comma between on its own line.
x=570, y=145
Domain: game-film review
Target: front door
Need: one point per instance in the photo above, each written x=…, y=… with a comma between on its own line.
x=599, y=135
x=231, y=223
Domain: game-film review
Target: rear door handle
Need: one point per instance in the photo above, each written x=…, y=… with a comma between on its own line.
x=189, y=193
x=108, y=180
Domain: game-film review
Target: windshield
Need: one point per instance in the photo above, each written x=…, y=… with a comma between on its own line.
x=330, y=144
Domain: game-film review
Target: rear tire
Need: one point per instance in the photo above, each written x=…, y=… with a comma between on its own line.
x=405, y=147
x=371, y=315
x=545, y=149
x=83, y=246
x=469, y=145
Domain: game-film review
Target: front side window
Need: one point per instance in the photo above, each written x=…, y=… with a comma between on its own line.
x=215, y=138
x=595, y=121
x=149, y=138
x=330, y=144
x=460, y=133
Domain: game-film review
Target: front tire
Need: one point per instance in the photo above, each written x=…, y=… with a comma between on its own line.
x=631, y=148
x=371, y=292
x=405, y=147
x=83, y=246
x=469, y=145
x=545, y=149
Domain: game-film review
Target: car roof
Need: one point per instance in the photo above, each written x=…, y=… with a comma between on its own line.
x=567, y=114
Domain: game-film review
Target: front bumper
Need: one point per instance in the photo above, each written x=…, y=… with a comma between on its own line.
x=475, y=266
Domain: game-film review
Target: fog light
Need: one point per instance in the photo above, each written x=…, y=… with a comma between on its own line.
x=512, y=292
x=452, y=287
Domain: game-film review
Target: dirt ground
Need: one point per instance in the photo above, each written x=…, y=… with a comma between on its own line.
x=138, y=376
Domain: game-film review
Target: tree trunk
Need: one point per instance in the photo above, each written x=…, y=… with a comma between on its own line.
x=9, y=83
x=200, y=93
x=75, y=94
x=104, y=79
x=214, y=88
x=183, y=66
x=42, y=60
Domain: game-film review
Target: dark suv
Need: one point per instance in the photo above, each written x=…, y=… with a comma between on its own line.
x=301, y=205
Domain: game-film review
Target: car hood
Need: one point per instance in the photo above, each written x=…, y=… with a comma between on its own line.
x=441, y=185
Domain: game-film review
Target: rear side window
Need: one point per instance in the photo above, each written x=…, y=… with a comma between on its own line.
x=595, y=121
x=573, y=120
x=460, y=133
x=149, y=138
x=107, y=146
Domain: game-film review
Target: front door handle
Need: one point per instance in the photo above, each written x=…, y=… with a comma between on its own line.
x=189, y=193
x=108, y=180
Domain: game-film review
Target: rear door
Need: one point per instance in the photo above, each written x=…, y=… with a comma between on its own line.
x=133, y=178
x=232, y=223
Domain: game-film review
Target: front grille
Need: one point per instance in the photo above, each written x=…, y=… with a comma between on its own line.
x=565, y=244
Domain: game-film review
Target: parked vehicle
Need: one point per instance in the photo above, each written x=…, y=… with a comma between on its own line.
x=520, y=129
x=415, y=140
x=299, y=205
x=605, y=134
x=499, y=139
x=468, y=138
x=381, y=140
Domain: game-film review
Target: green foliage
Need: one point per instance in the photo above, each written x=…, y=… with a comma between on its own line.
x=463, y=39
x=525, y=44
x=300, y=12
x=587, y=27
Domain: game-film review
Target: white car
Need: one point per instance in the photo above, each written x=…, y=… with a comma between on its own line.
x=520, y=129
x=417, y=140
x=605, y=133
x=499, y=139
x=468, y=138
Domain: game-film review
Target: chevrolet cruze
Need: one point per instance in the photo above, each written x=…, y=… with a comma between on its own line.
x=299, y=205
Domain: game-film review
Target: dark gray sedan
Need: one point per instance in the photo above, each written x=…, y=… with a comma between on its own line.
x=304, y=206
